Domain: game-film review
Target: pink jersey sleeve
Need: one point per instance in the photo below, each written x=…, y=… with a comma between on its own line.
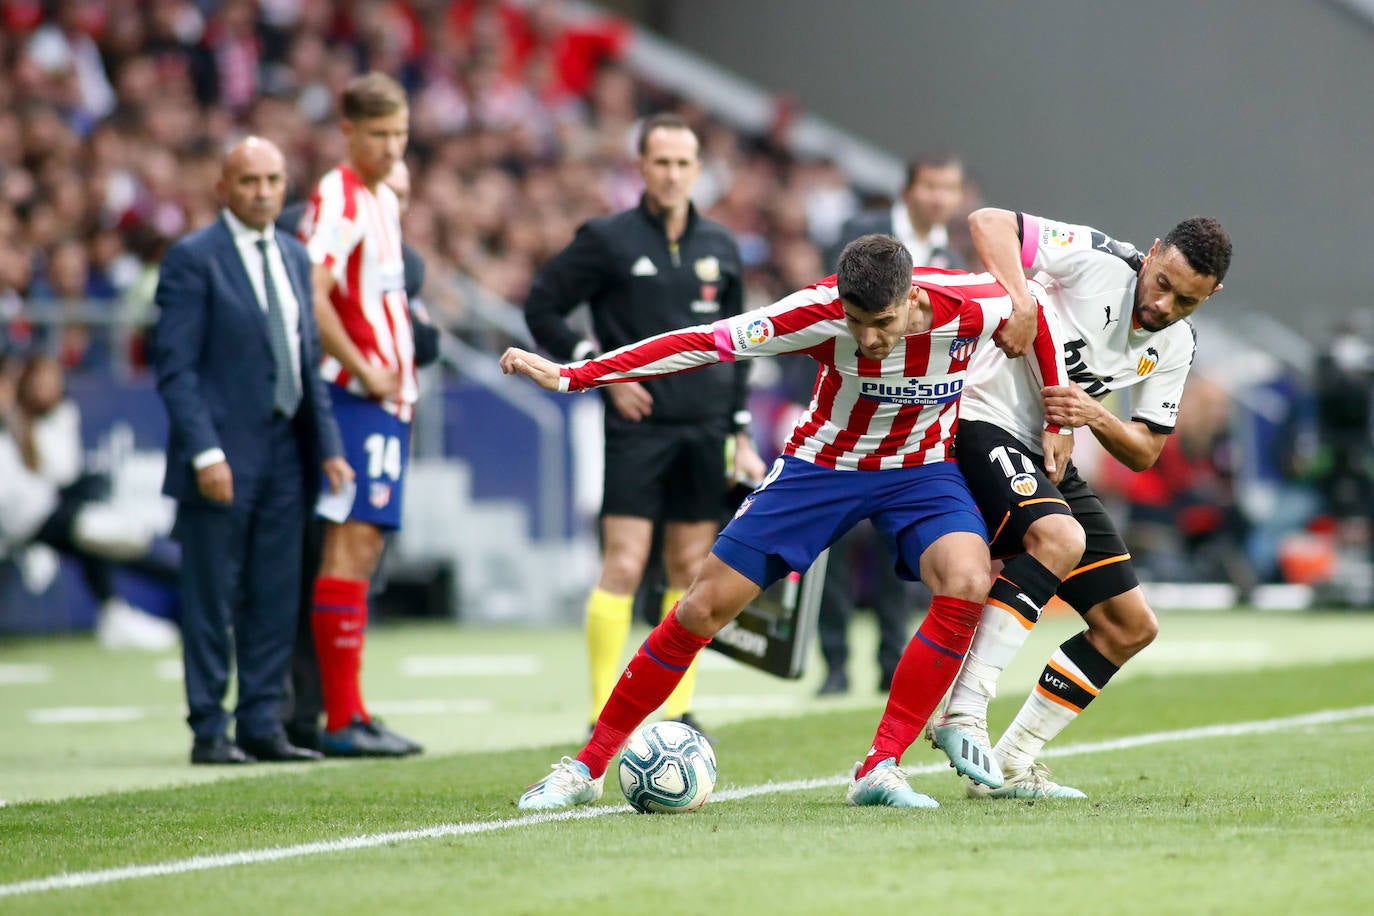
x=1030, y=239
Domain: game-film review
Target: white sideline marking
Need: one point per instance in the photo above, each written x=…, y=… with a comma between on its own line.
x=469, y=665
x=72, y=715
x=25, y=674
x=372, y=840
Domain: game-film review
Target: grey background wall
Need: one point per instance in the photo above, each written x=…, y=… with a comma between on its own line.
x=1125, y=115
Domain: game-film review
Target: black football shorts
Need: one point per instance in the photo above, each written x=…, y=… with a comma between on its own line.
x=1012, y=490
x=672, y=472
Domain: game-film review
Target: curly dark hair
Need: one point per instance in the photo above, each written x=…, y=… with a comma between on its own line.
x=874, y=271
x=1204, y=243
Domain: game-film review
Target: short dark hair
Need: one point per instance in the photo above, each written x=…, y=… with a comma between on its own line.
x=372, y=95
x=666, y=120
x=874, y=271
x=1204, y=243
x=936, y=159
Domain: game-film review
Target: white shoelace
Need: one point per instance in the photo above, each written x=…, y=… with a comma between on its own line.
x=565, y=778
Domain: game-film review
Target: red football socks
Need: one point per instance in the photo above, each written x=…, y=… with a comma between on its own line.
x=927, y=668
x=337, y=617
x=646, y=682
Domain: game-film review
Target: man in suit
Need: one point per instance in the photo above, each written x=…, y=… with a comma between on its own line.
x=236, y=348
x=920, y=216
x=931, y=197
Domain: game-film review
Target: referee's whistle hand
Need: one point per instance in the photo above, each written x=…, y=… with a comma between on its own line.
x=522, y=362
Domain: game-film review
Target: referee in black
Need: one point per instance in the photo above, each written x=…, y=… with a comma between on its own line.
x=655, y=268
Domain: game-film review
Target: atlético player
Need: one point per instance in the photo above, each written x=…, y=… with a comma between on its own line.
x=352, y=230
x=893, y=346
x=1123, y=322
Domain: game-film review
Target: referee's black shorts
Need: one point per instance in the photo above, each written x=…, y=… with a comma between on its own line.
x=1012, y=490
x=672, y=472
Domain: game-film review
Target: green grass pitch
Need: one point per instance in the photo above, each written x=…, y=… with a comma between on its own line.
x=104, y=815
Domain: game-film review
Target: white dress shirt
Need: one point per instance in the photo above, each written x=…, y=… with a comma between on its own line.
x=246, y=241
x=921, y=248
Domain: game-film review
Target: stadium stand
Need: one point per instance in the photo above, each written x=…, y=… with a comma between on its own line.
x=112, y=117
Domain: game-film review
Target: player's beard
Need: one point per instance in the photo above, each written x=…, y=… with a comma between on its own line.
x=1145, y=322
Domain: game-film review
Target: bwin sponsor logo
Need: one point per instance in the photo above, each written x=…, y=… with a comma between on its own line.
x=912, y=391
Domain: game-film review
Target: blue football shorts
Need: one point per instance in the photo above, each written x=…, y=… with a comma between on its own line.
x=801, y=509
x=377, y=446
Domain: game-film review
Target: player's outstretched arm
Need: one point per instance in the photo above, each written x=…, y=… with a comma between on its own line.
x=545, y=372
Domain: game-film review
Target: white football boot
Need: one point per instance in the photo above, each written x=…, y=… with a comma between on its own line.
x=963, y=738
x=886, y=785
x=1032, y=782
x=569, y=784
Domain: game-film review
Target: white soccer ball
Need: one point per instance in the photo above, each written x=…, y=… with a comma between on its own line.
x=667, y=768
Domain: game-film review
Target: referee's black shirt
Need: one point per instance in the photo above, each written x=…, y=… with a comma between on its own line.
x=637, y=284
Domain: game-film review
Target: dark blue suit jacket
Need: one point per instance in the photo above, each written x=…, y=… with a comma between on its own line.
x=214, y=363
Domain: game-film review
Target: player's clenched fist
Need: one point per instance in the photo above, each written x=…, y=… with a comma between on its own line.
x=543, y=371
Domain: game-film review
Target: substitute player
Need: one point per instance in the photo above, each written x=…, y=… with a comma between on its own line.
x=352, y=230
x=893, y=346
x=1123, y=327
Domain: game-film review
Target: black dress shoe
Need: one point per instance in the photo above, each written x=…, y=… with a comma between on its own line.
x=219, y=750
x=306, y=735
x=277, y=749
x=836, y=682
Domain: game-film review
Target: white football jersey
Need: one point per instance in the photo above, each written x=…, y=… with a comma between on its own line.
x=1089, y=281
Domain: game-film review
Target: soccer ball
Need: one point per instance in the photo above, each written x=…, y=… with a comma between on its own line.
x=667, y=768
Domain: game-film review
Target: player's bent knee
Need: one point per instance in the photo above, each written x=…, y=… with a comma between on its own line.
x=1120, y=636
x=970, y=583
x=1057, y=541
x=1144, y=630
x=700, y=614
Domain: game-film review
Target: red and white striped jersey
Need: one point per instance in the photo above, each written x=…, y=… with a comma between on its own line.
x=356, y=233
x=864, y=414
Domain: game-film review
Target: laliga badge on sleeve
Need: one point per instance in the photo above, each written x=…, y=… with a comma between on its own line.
x=336, y=507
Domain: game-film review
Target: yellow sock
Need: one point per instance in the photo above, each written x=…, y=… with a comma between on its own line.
x=608, y=626
x=680, y=700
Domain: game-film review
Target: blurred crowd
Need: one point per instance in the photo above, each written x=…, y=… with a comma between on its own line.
x=114, y=115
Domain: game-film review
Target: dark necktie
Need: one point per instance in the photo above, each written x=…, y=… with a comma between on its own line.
x=286, y=396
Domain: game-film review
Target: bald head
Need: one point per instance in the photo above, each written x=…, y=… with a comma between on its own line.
x=252, y=183
x=398, y=180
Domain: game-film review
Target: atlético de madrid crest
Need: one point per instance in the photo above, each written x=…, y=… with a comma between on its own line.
x=962, y=348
